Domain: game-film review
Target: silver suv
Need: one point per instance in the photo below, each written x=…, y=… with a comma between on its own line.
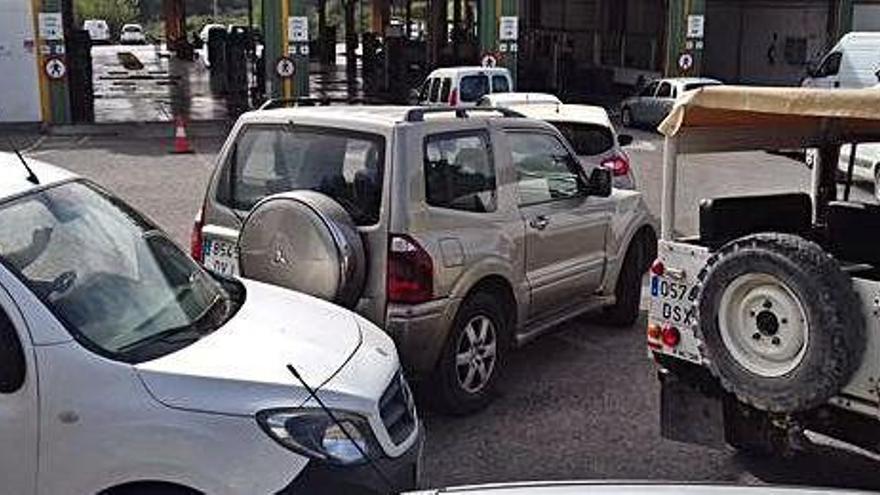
x=462, y=232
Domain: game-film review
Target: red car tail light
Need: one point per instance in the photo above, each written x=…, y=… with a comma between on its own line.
x=658, y=268
x=453, y=98
x=410, y=271
x=671, y=336
x=195, y=239
x=618, y=165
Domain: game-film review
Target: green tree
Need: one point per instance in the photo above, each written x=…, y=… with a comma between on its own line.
x=115, y=12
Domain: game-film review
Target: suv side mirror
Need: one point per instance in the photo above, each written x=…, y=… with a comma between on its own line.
x=599, y=183
x=624, y=140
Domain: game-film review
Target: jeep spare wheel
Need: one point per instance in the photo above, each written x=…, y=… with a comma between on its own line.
x=780, y=321
x=305, y=241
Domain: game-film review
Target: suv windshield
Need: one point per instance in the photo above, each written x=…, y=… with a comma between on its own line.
x=586, y=139
x=118, y=284
x=348, y=166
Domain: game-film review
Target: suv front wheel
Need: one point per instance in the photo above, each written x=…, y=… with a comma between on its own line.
x=466, y=375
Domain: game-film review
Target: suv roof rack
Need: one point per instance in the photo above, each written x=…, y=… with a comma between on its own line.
x=418, y=114
x=310, y=101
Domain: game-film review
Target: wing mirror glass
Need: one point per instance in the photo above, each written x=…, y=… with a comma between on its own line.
x=599, y=183
x=624, y=140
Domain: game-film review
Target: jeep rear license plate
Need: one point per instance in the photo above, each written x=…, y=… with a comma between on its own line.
x=672, y=301
x=221, y=257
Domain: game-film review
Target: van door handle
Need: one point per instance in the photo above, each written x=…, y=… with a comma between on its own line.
x=836, y=84
x=540, y=222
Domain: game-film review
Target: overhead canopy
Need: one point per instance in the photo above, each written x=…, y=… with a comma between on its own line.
x=739, y=118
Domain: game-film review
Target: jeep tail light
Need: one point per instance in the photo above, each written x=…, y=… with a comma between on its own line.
x=195, y=238
x=658, y=268
x=655, y=332
x=671, y=336
x=453, y=97
x=617, y=164
x=410, y=271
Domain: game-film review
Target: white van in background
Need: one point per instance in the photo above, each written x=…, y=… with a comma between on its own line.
x=463, y=86
x=852, y=63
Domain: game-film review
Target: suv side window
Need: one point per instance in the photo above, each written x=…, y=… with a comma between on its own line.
x=472, y=88
x=545, y=169
x=435, y=90
x=649, y=91
x=500, y=84
x=12, y=362
x=459, y=172
x=665, y=91
x=445, y=89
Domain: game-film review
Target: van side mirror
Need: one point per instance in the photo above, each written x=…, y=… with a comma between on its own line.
x=600, y=182
x=813, y=69
x=624, y=140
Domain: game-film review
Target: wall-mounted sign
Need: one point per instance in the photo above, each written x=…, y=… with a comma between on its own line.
x=55, y=68
x=297, y=29
x=51, y=26
x=696, y=26
x=285, y=68
x=508, y=28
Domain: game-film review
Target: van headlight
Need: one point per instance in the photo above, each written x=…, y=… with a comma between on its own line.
x=312, y=433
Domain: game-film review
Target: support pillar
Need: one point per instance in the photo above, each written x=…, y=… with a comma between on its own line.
x=54, y=93
x=841, y=19
x=381, y=15
x=507, y=50
x=685, y=37
x=278, y=16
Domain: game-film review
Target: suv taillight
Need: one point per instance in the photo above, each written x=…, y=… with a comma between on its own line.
x=453, y=97
x=195, y=239
x=617, y=164
x=410, y=271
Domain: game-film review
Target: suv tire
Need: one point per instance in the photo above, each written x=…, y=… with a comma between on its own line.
x=780, y=323
x=628, y=290
x=477, y=341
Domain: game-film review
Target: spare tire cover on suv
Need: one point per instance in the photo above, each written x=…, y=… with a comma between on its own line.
x=306, y=241
x=781, y=325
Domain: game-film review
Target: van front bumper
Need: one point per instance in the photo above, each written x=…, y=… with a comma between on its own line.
x=399, y=474
x=420, y=331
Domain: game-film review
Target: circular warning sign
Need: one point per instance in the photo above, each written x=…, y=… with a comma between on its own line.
x=685, y=61
x=55, y=68
x=489, y=60
x=285, y=67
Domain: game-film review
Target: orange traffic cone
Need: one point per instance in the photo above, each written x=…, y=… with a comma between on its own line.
x=181, y=142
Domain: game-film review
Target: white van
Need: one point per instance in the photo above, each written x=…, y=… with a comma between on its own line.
x=98, y=30
x=127, y=368
x=852, y=63
x=463, y=86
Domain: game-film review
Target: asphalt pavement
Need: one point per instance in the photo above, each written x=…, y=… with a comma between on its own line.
x=579, y=403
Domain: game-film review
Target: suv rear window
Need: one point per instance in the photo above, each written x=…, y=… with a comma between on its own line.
x=500, y=84
x=348, y=166
x=472, y=88
x=586, y=139
x=459, y=173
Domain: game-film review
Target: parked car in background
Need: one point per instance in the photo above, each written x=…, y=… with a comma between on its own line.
x=125, y=367
x=854, y=62
x=132, y=34
x=507, y=99
x=463, y=86
x=461, y=233
x=655, y=101
x=591, y=134
x=99, y=31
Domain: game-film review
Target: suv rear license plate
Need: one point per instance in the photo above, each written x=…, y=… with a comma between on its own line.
x=221, y=257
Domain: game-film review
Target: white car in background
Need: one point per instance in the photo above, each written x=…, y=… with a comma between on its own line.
x=507, y=99
x=125, y=367
x=99, y=31
x=653, y=103
x=132, y=34
x=592, y=135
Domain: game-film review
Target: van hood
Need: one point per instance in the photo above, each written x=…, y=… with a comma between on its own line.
x=241, y=368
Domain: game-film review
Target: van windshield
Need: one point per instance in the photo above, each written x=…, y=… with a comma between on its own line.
x=346, y=165
x=116, y=282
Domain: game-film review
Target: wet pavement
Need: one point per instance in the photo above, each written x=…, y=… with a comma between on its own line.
x=124, y=93
x=145, y=83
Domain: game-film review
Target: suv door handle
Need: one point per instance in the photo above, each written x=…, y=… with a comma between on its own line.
x=540, y=222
